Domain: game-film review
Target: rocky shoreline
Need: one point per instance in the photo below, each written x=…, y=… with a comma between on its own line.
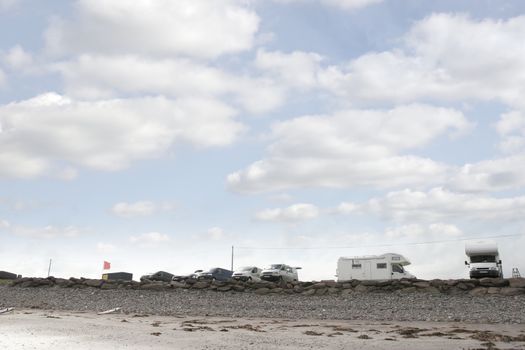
x=474, y=287
x=468, y=301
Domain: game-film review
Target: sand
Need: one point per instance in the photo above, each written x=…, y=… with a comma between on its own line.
x=40, y=329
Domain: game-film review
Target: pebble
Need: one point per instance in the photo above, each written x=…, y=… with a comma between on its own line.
x=364, y=306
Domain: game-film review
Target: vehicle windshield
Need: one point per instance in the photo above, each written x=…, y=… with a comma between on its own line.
x=276, y=267
x=246, y=268
x=397, y=268
x=482, y=258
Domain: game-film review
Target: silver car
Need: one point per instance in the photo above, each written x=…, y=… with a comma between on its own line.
x=280, y=273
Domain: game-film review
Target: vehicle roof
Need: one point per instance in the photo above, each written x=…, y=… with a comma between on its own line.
x=387, y=257
x=481, y=248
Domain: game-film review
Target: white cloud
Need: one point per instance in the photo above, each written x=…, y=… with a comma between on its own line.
x=281, y=197
x=490, y=175
x=436, y=64
x=150, y=238
x=98, y=76
x=107, y=135
x=296, y=212
x=105, y=248
x=296, y=69
x=47, y=232
x=351, y=4
x=216, y=233
x=17, y=58
x=7, y=4
x=438, y=204
x=3, y=78
x=343, y=4
x=352, y=148
x=130, y=210
x=511, y=127
x=67, y=173
x=4, y=224
x=204, y=29
x=414, y=231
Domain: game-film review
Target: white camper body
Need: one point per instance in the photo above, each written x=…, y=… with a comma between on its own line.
x=483, y=259
x=373, y=267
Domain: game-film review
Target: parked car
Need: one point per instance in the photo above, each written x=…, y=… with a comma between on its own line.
x=248, y=273
x=158, y=276
x=182, y=278
x=216, y=274
x=280, y=273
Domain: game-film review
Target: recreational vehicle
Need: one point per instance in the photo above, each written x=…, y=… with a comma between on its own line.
x=373, y=267
x=483, y=259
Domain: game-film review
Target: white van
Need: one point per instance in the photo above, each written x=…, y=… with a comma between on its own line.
x=483, y=259
x=372, y=267
x=280, y=273
x=248, y=273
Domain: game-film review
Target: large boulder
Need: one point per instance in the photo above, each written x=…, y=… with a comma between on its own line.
x=110, y=286
x=421, y=284
x=154, y=286
x=361, y=289
x=61, y=282
x=517, y=282
x=512, y=291
x=478, y=291
x=175, y=284
x=94, y=283
x=200, y=285
x=493, y=282
x=262, y=291
x=239, y=288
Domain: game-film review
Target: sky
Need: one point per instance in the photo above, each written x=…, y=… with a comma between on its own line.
x=158, y=134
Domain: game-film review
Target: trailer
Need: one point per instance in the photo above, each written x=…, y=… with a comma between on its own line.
x=483, y=259
x=4, y=275
x=373, y=267
x=118, y=276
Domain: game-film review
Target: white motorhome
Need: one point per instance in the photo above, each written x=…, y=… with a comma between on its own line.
x=373, y=267
x=483, y=259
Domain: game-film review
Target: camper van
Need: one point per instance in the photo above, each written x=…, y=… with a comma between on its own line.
x=483, y=259
x=373, y=267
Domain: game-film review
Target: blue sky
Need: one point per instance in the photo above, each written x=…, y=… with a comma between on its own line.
x=157, y=134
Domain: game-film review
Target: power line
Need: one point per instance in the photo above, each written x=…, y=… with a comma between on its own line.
x=381, y=245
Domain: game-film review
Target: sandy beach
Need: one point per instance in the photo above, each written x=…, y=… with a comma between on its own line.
x=41, y=329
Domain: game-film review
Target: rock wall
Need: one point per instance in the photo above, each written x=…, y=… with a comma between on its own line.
x=477, y=287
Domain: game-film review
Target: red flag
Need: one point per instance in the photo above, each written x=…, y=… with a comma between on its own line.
x=107, y=265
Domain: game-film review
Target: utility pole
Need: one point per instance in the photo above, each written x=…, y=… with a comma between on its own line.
x=49, y=268
x=232, y=259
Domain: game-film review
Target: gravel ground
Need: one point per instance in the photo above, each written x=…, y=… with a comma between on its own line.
x=366, y=306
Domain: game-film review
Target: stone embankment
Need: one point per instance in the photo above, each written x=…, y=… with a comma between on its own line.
x=474, y=287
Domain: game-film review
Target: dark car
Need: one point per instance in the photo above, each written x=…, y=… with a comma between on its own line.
x=216, y=274
x=182, y=278
x=158, y=276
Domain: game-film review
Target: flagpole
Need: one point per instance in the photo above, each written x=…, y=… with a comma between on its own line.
x=232, y=258
x=49, y=268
